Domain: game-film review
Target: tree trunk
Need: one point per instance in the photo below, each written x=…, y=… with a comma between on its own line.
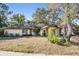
x=66, y=32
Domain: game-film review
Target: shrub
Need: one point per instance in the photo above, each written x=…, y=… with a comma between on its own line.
x=2, y=31
x=6, y=34
x=37, y=31
x=11, y=35
x=17, y=35
x=52, y=35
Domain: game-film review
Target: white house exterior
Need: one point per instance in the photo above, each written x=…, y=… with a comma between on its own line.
x=14, y=32
x=25, y=30
x=19, y=31
x=43, y=30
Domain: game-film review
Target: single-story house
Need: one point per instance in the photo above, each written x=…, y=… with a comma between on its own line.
x=40, y=29
x=19, y=30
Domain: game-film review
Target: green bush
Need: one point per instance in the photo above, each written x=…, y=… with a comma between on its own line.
x=52, y=36
x=17, y=35
x=2, y=31
x=11, y=35
x=37, y=31
x=6, y=34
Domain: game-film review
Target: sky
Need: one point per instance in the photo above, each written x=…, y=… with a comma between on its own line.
x=26, y=8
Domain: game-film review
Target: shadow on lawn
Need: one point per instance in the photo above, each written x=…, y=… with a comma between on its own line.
x=16, y=37
x=8, y=38
x=13, y=38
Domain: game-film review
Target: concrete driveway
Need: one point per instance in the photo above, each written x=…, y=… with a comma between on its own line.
x=6, y=53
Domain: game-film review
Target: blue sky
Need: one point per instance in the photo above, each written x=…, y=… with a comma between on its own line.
x=26, y=8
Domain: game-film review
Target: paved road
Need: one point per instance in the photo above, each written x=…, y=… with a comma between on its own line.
x=6, y=53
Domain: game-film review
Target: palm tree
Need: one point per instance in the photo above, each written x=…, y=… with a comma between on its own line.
x=18, y=19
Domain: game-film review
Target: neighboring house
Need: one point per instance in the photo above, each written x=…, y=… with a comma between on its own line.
x=19, y=30
x=13, y=32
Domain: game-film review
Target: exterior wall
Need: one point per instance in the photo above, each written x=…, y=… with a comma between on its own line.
x=41, y=32
x=28, y=32
x=13, y=31
x=21, y=32
x=32, y=32
x=24, y=32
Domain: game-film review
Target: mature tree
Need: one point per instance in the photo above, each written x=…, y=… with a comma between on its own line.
x=69, y=11
x=4, y=11
x=56, y=13
x=18, y=19
x=40, y=16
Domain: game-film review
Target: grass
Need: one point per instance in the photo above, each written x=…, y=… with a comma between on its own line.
x=7, y=38
x=19, y=48
x=37, y=45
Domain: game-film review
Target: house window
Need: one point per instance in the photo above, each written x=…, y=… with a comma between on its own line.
x=23, y=31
